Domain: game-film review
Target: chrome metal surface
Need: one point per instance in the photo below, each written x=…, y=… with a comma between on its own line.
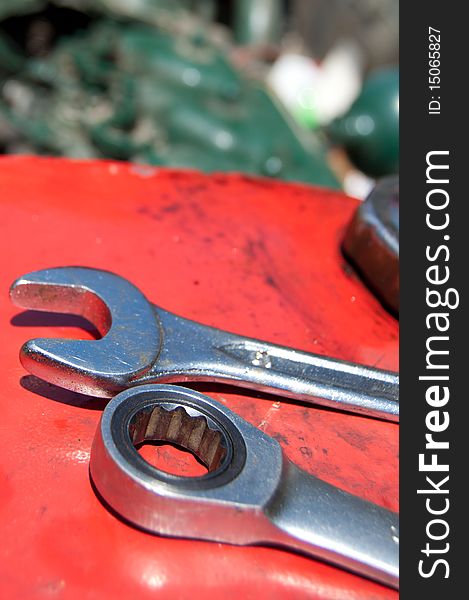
x=371, y=241
x=252, y=494
x=143, y=343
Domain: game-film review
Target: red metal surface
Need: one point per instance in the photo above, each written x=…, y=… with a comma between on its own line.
x=256, y=257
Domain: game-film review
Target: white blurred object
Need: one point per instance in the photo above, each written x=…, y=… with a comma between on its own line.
x=357, y=184
x=290, y=77
x=340, y=81
x=315, y=94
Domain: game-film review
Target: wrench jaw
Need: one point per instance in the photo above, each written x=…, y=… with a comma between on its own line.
x=64, y=363
x=31, y=293
x=127, y=321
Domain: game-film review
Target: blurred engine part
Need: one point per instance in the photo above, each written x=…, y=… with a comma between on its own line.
x=136, y=91
x=173, y=13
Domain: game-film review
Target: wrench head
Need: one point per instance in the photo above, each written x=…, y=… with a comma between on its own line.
x=130, y=330
x=228, y=504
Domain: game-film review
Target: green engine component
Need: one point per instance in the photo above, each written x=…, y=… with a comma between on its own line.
x=131, y=90
x=369, y=131
x=188, y=61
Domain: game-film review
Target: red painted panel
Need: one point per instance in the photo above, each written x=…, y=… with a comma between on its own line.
x=253, y=256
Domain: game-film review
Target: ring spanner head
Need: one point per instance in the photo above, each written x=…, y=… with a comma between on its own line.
x=121, y=313
x=251, y=494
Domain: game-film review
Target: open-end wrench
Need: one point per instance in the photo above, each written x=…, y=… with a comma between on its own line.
x=142, y=343
x=252, y=494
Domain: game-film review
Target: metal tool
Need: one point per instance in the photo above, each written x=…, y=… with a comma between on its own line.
x=252, y=494
x=143, y=343
x=371, y=241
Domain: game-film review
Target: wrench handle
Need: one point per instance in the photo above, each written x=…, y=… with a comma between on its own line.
x=326, y=522
x=318, y=379
x=191, y=352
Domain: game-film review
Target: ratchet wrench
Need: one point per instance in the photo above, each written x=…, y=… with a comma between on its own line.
x=143, y=343
x=251, y=494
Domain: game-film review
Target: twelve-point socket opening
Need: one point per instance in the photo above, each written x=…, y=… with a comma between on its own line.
x=177, y=427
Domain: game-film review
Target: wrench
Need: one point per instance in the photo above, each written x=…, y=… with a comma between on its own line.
x=142, y=343
x=252, y=494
